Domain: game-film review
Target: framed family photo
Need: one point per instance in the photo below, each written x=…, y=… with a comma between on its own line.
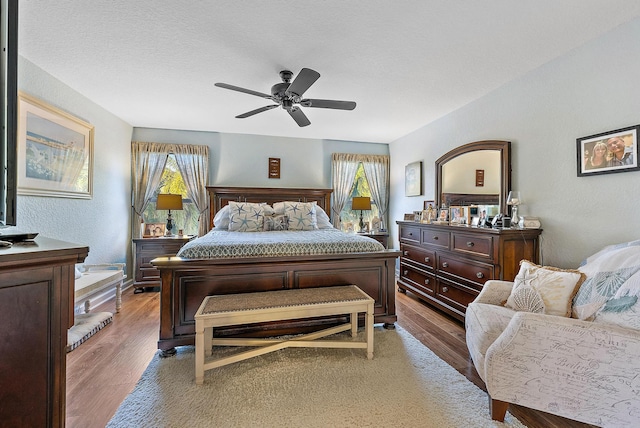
x=153, y=230
x=608, y=152
x=55, y=151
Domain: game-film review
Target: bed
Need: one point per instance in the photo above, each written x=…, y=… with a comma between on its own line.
x=187, y=281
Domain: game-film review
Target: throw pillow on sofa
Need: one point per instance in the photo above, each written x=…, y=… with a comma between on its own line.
x=544, y=289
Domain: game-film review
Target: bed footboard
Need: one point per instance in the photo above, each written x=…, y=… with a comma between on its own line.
x=186, y=282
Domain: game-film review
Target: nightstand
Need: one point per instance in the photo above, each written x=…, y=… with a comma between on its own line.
x=147, y=249
x=381, y=237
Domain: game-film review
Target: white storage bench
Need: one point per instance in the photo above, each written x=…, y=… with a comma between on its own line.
x=95, y=284
x=246, y=308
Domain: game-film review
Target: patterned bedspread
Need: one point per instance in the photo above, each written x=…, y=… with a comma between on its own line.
x=225, y=244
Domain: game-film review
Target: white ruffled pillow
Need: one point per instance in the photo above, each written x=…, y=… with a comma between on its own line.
x=221, y=219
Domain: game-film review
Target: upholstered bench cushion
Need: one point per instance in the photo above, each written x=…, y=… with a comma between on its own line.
x=484, y=323
x=95, y=280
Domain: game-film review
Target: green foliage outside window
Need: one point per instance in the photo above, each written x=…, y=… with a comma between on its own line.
x=172, y=182
x=360, y=188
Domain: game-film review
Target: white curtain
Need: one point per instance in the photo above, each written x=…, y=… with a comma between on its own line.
x=376, y=168
x=193, y=163
x=343, y=171
x=148, y=162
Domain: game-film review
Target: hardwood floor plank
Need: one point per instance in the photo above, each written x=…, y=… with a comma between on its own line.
x=105, y=369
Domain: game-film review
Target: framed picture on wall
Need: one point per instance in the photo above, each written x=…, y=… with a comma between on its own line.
x=608, y=152
x=55, y=151
x=413, y=179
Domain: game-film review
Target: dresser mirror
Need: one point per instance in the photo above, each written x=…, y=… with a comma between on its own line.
x=477, y=173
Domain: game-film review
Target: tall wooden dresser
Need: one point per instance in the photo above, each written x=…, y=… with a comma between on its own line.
x=446, y=266
x=36, y=310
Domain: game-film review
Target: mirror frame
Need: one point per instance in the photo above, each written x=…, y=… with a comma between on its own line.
x=504, y=147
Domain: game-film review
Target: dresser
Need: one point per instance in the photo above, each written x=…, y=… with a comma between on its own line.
x=147, y=249
x=36, y=310
x=446, y=266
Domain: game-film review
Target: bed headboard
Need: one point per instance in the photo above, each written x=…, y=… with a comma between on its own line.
x=220, y=196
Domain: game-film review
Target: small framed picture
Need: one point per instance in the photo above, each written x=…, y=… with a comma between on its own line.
x=456, y=215
x=154, y=230
x=475, y=221
x=608, y=152
x=409, y=217
x=444, y=215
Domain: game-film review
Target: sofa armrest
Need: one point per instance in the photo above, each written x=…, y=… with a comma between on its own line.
x=577, y=369
x=494, y=292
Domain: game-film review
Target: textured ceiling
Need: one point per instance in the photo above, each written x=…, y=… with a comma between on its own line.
x=405, y=62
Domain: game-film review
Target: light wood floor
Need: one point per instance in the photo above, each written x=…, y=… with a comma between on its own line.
x=105, y=369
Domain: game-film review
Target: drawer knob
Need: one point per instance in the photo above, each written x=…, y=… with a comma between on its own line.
x=480, y=275
x=426, y=281
x=410, y=233
x=435, y=238
x=427, y=259
x=406, y=253
x=445, y=265
x=469, y=244
x=405, y=272
x=445, y=289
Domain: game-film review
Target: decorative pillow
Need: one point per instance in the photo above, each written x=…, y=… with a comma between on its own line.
x=276, y=222
x=302, y=215
x=278, y=208
x=221, y=219
x=245, y=217
x=608, y=272
x=268, y=209
x=544, y=289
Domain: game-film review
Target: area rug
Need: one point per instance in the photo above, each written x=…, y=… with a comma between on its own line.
x=85, y=326
x=405, y=385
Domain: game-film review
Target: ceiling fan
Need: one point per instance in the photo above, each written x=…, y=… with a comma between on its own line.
x=288, y=94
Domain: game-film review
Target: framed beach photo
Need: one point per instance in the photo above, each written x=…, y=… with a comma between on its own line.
x=413, y=179
x=55, y=151
x=608, y=152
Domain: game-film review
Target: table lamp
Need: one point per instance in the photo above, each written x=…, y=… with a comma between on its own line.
x=514, y=200
x=167, y=201
x=361, y=203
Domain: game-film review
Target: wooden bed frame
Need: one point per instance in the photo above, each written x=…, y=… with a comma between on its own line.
x=186, y=282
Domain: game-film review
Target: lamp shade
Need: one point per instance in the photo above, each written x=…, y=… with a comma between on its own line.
x=167, y=201
x=361, y=203
x=514, y=198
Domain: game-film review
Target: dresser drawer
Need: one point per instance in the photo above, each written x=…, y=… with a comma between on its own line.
x=469, y=270
x=423, y=281
x=423, y=257
x=435, y=238
x=456, y=295
x=470, y=244
x=410, y=233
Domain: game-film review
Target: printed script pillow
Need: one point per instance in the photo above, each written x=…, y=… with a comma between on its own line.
x=302, y=215
x=276, y=222
x=544, y=289
x=245, y=217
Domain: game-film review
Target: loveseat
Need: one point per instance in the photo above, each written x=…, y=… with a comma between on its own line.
x=581, y=362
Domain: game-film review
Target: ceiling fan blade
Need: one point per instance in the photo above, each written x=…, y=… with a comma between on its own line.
x=340, y=105
x=297, y=115
x=246, y=91
x=303, y=81
x=256, y=111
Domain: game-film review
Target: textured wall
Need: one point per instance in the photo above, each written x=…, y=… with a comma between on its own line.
x=103, y=222
x=592, y=89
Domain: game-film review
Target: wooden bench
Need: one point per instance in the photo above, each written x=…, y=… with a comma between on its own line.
x=95, y=285
x=247, y=308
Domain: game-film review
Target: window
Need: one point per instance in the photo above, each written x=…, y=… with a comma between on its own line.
x=172, y=182
x=360, y=188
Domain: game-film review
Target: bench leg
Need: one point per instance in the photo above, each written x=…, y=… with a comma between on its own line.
x=369, y=327
x=118, y=296
x=199, y=354
x=354, y=324
x=208, y=341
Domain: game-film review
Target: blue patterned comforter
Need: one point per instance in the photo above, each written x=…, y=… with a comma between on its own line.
x=225, y=244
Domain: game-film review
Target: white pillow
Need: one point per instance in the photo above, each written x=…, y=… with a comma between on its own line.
x=302, y=215
x=221, y=219
x=323, y=219
x=245, y=217
x=544, y=289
